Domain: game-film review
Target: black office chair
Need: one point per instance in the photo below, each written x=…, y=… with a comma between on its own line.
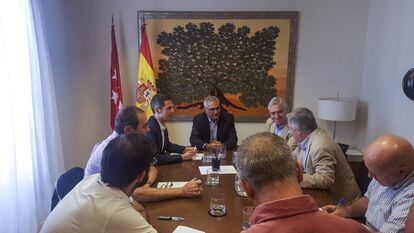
x=65, y=183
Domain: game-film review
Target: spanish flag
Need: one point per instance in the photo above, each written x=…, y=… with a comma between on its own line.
x=146, y=79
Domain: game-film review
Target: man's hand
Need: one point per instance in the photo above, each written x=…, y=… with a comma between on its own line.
x=188, y=148
x=188, y=155
x=336, y=210
x=191, y=189
x=214, y=145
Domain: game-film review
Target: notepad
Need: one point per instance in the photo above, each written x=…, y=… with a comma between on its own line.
x=184, y=229
x=198, y=156
x=225, y=169
x=169, y=184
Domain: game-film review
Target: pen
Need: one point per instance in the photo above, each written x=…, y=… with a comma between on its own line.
x=172, y=218
x=340, y=202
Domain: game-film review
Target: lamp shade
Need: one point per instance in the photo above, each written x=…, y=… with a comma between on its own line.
x=337, y=109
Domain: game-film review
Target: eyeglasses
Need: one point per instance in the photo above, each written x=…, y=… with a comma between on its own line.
x=214, y=109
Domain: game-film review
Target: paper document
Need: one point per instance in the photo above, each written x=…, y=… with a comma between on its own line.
x=224, y=169
x=184, y=229
x=198, y=156
x=168, y=185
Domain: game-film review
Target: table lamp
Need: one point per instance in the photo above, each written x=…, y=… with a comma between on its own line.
x=336, y=109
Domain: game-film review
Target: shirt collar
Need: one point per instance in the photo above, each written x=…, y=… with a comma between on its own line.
x=408, y=179
x=304, y=145
x=279, y=126
x=162, y=127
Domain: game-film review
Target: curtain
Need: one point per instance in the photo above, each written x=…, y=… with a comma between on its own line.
x=31, y=154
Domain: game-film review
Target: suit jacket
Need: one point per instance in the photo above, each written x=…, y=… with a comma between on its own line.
x=327, y=168
x=226, y=132
x=270, y=127
x=163, y=156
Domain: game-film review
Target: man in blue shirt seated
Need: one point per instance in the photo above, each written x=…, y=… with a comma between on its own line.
x=100, y=203
x=165, y=151
x=277, y=123
x=390, y=162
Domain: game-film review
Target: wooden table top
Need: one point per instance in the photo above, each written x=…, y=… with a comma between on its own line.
x=195, y=210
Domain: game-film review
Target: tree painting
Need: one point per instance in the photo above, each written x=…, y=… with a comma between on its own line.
x=200, y=61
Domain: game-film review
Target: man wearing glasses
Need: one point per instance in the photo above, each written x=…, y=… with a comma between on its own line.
x=213, y=128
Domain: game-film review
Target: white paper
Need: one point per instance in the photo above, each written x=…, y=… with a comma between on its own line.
x=198, y=156
x=175, y=153
x=225, y=169
x=352, y=151
x=178, y=184
x=184, y=229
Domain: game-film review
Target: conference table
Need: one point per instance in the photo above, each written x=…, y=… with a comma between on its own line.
x=195, y=210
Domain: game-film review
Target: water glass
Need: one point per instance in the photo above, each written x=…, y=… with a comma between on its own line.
x=222, y=152
x=217, y=205
x=207, y=155
x=247, y=217
x=237, y=186
x=213, y=177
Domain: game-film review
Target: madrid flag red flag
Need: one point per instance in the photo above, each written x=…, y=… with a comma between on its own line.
x=146, y=79
x=115, y=76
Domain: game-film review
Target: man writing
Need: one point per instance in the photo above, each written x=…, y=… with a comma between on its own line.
x=213, y=128
x=270, y=176
x=323, y=163
x=277, y=123
x=163, y=108
x=390, y=163
x=100, y=202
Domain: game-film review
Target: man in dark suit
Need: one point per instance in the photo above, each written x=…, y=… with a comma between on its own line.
x=165, y=151
x=213, y=128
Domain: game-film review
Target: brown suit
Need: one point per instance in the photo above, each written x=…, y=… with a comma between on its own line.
x=327, y=168
x=270, y=127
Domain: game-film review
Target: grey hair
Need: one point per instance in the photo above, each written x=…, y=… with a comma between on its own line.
x=210, y=98
x=303, y=119
x=277, y=101
x=264, y=158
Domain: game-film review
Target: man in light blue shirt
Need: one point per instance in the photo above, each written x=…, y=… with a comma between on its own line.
x=390, y=161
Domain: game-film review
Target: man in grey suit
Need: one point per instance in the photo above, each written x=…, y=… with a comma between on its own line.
x=277, y=123
x=323, y=163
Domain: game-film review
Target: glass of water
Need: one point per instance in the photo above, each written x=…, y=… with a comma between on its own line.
x=217, y=205
x=222, y=152
x=207, y=155
x=213, y=177
x=247, y=217
x=237, y=186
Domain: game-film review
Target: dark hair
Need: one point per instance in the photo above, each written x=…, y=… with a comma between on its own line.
x=124, y=158
x=127, y=116
x=157, y=101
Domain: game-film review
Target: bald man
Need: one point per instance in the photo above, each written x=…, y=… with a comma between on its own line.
x=390, y=162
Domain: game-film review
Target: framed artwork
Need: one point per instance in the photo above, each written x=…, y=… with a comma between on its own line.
x=243, y=58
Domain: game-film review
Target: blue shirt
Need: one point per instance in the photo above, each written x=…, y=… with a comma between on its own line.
x=213, y=130
x=94, y=163
x=279, y=129
x=388, y=207
x=304, y=151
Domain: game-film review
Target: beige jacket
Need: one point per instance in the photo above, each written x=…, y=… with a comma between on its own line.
x=327, y=168
x=270, y=127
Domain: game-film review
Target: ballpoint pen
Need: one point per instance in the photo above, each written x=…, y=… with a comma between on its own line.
x=340, y=202
x=172, y=218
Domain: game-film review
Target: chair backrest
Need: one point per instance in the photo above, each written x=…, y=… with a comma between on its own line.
x=65, y=183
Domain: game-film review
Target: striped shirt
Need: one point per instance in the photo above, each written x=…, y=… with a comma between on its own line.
x=388, y=206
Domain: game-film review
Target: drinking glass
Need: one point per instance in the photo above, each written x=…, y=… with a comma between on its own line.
x=213, y=177
x=237, y=186
x=207, y=155
x=217, y=204
x=222, y=152
x=247, y=215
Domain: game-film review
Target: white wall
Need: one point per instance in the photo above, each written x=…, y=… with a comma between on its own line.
x=389, y=55
x=330, y=56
